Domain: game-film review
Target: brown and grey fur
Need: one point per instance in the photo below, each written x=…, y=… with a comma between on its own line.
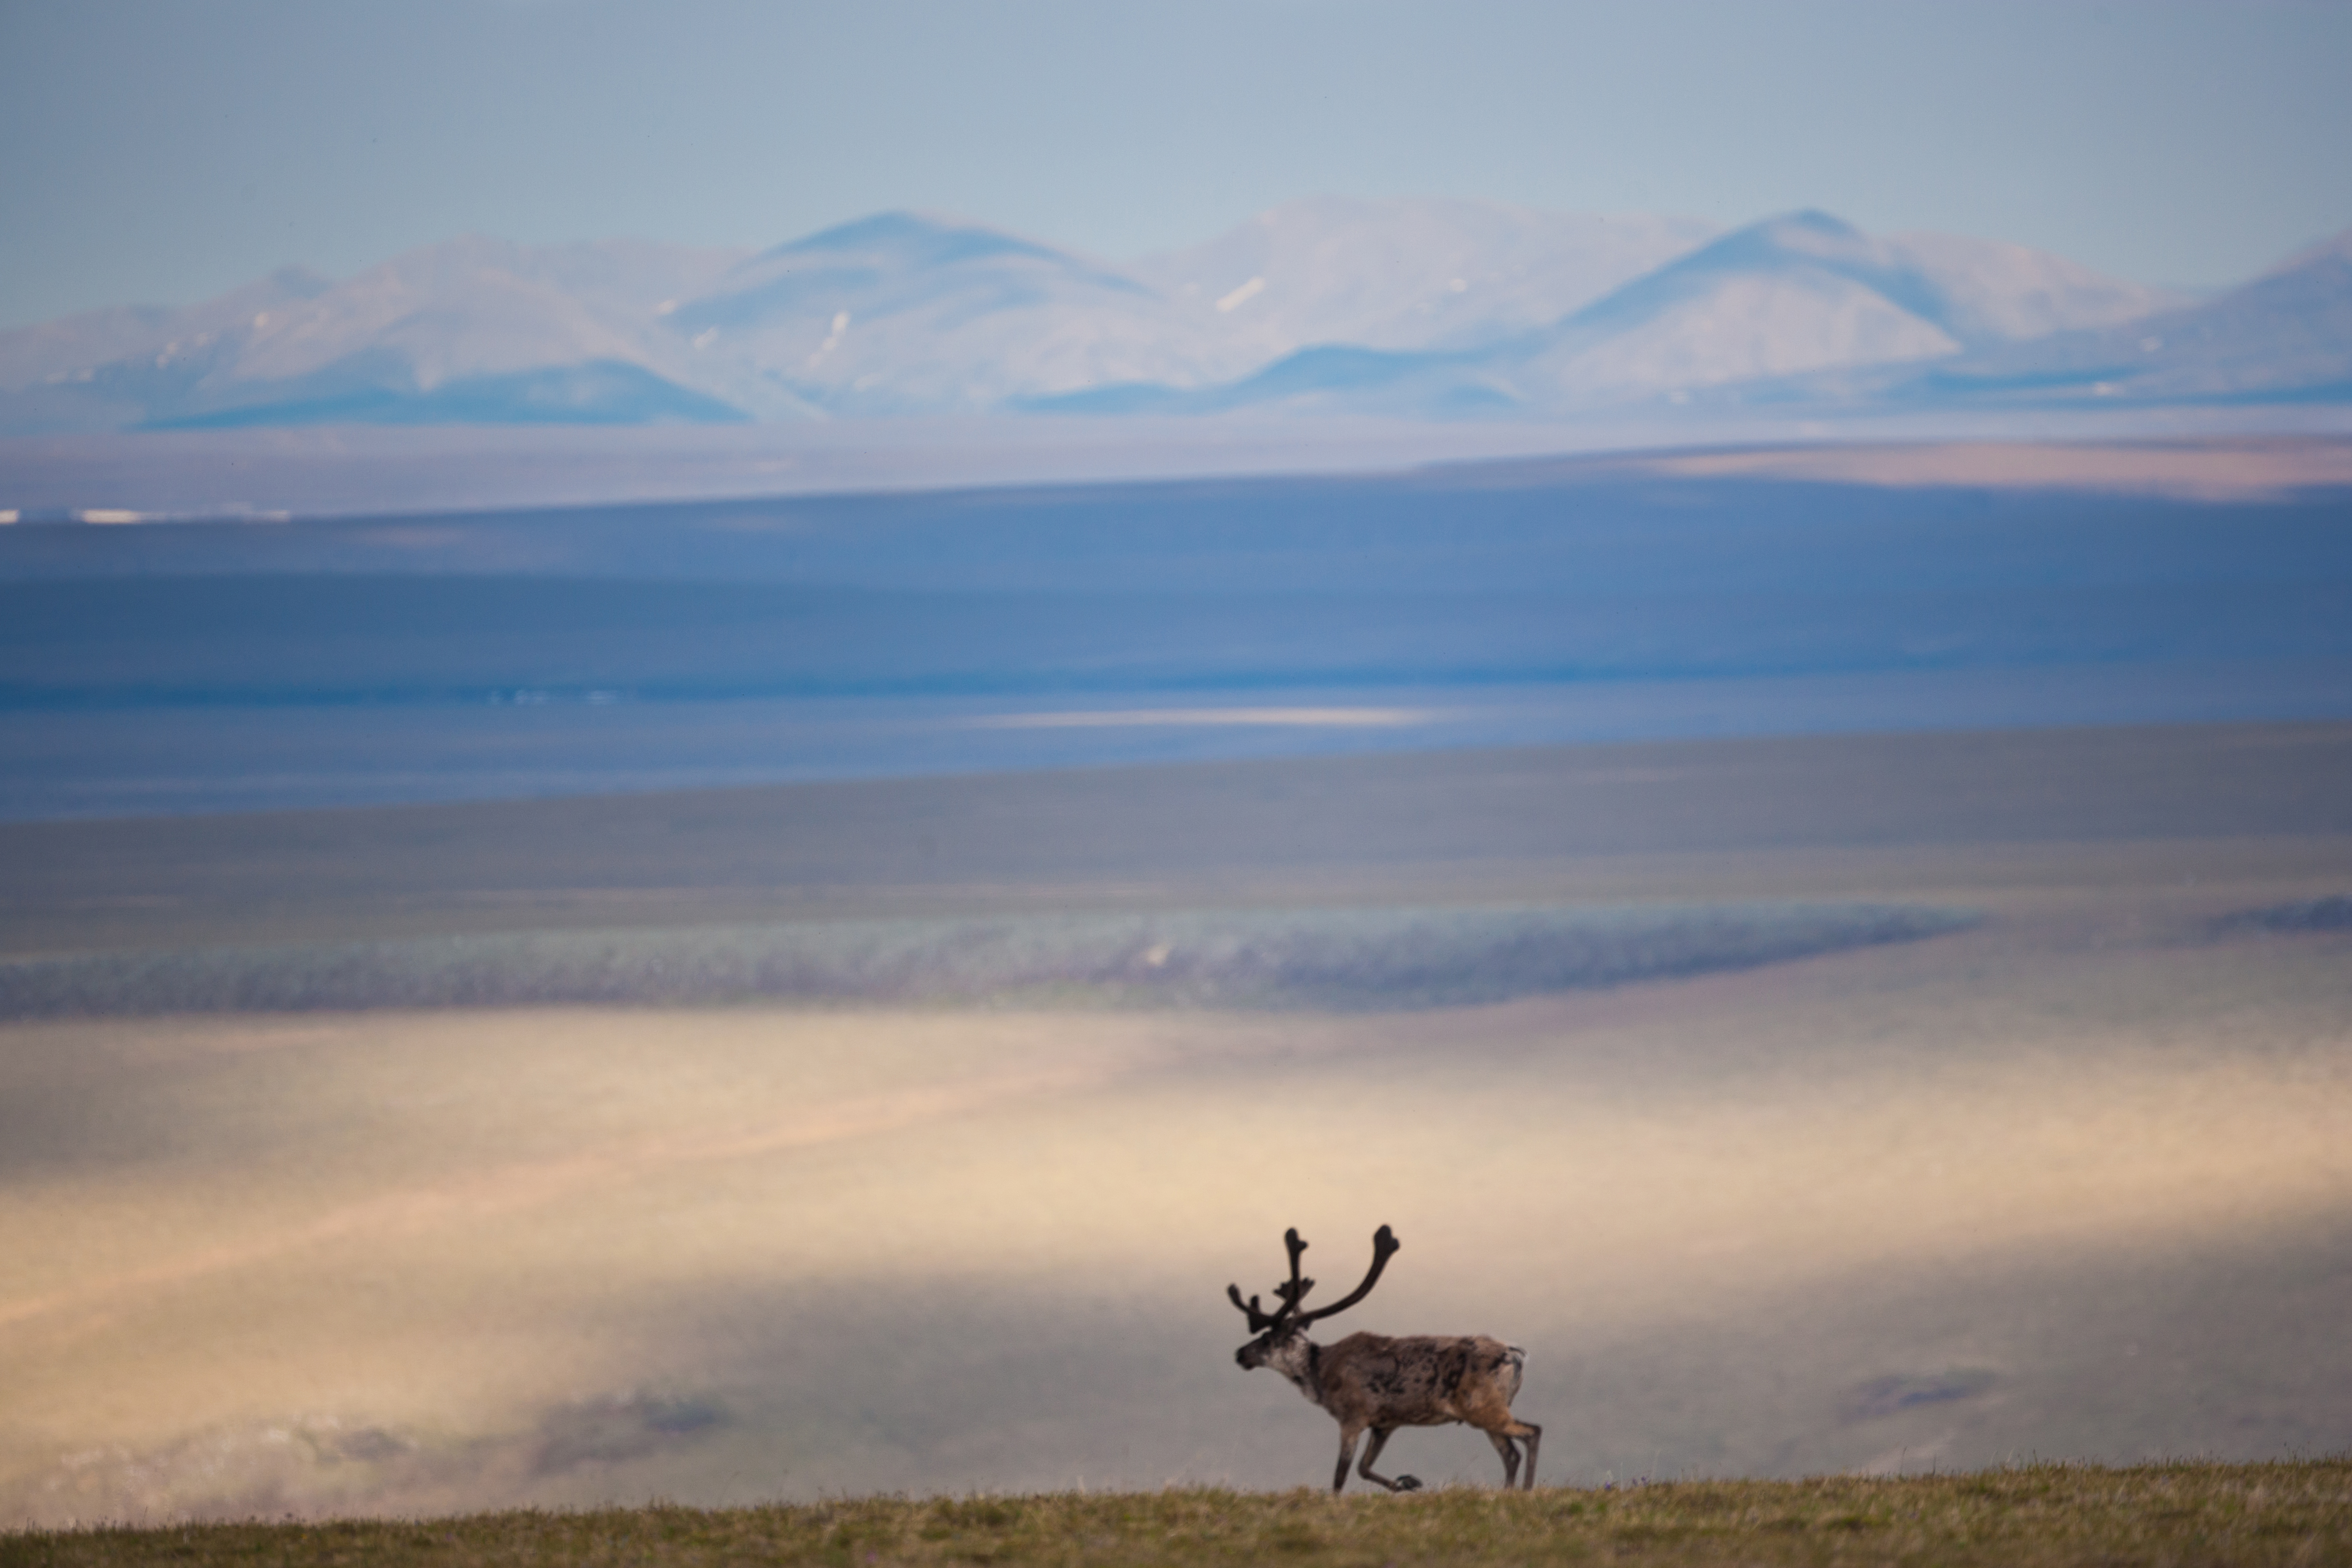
x=1371, y=1383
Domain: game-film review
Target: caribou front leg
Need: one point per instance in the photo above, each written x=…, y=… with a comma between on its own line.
x=1381, y=1435
x=1347, y=1436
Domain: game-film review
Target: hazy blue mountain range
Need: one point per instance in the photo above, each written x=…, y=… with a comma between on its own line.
x=1414, y=307
x=2286, y=337
x=1407, y=275
x=1790, y=295
x=473, y=329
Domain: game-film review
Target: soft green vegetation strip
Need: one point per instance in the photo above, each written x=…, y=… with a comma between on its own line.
x=2021, y=1518
x=1343, y=958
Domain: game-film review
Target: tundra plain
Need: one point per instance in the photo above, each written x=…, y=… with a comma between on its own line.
x=2069, y=1180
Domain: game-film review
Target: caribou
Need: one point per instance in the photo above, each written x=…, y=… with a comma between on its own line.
x=1371, y=1383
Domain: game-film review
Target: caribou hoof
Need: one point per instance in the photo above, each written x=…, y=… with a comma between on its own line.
x=1408, y=1483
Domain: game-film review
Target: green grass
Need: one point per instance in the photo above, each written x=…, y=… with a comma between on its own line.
x=2019, y=1518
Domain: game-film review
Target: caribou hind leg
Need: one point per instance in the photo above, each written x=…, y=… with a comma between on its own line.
x=1533, y=1434
x=1381, y=1435
x=1510, y=1452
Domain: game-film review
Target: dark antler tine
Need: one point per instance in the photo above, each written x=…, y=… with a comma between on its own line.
x=1292, y=1289
x=1385, y=1246
x=1255, y=1313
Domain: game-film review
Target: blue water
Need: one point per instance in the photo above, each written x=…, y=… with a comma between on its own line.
x=141, y=762
x=210, y=668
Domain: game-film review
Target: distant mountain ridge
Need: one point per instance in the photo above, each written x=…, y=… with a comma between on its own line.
x=1779, y=299
x=473, y=331
x=2285, y=337
x=1421, y=307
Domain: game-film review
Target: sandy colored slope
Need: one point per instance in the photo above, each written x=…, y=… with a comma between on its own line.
x=417, y=1260
x=2074, y=1182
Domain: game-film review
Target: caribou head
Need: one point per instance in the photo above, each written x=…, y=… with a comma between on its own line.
x=1282, y=1342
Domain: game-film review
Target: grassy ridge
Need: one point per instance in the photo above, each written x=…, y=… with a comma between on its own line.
x=2042, y=1514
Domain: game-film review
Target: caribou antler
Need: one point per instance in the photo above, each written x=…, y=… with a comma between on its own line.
x=1294, y=1291
x=1288, y=1292
x=1258, y=1319
x=1384, y=1247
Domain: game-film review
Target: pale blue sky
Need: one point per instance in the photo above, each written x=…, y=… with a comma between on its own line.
x=164, y=150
